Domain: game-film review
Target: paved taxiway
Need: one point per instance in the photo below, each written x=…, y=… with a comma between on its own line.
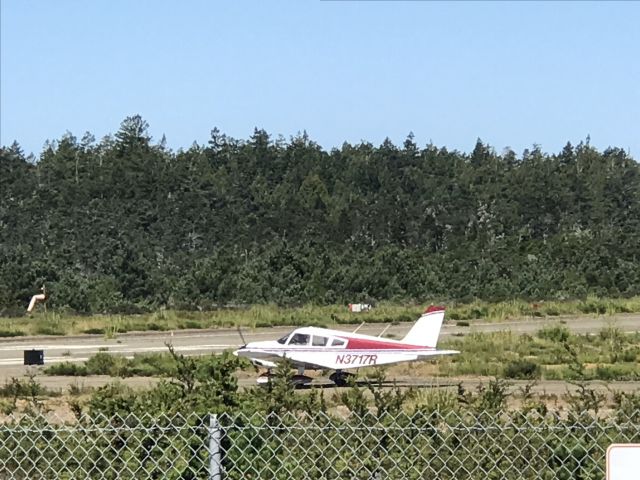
x=81, y=347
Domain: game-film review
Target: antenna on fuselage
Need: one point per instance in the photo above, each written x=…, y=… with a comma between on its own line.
x=385, y=329
x=358, y=327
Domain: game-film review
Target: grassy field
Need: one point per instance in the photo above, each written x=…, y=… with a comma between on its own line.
x=56, y=323
x=552, y=354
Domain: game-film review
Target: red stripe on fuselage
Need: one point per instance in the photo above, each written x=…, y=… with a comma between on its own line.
x=370, y=344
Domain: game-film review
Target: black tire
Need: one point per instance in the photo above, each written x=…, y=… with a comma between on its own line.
x=341, y=379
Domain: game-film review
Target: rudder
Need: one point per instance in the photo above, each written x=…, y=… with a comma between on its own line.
x=426, y=330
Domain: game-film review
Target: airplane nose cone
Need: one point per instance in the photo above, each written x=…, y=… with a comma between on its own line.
x=241, y=349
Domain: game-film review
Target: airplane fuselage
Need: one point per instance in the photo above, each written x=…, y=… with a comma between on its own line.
x=335, y=350
x=323, y=348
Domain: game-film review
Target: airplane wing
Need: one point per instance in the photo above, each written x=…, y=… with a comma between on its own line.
x=313, y=361
x=297, y=360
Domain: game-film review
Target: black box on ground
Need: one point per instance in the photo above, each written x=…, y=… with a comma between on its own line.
x=34, y=357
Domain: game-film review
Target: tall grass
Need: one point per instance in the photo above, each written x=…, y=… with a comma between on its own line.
x=554, y=353
x=256, y=316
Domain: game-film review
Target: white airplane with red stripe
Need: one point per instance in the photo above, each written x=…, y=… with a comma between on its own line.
x=322, y=348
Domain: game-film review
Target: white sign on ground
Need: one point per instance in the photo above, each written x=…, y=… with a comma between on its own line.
x=623, y=461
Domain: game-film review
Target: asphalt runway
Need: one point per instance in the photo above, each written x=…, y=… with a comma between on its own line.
x=192, y=342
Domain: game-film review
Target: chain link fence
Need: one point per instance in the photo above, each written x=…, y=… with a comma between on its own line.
x=512, y=445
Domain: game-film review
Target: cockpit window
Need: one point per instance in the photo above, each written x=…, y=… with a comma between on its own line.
x=338, y=342
x=284, y=339
x=299, y=339
x=319, y=341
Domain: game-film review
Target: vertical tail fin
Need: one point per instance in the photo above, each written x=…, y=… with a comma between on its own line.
x=426, y=330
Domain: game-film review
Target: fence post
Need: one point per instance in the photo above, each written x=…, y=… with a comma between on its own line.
x=215, y=468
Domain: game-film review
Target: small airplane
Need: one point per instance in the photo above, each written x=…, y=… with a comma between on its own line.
x=315, y=348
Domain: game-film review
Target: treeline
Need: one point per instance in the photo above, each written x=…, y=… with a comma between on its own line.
x=126, y=224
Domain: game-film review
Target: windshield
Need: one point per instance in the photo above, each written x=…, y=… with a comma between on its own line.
x=284, y=339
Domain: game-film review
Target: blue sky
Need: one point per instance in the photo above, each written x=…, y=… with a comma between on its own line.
x=514, y=74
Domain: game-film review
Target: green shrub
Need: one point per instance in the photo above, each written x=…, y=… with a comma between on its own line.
x=112, y=399
x=405, y=317
x=154, y=364
x=11, y=333
x=94, y=331
x=101, y=364
x=629, y=355
x=552, y=374
x=21, y=388
x=616, y=372
x=190, y=324
x=479, y=312
x=145, y=365
x=593, y=305
x=49, y=330
x=556, y=333
x=66, y=369
x=156, y=327
x=522, y=369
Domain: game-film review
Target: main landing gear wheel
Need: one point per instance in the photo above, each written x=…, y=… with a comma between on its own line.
x=341, y=379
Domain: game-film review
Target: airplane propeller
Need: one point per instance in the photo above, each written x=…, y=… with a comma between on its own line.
x=244, y=342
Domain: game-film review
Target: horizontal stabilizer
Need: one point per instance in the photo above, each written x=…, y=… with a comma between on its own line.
x=438, y=352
